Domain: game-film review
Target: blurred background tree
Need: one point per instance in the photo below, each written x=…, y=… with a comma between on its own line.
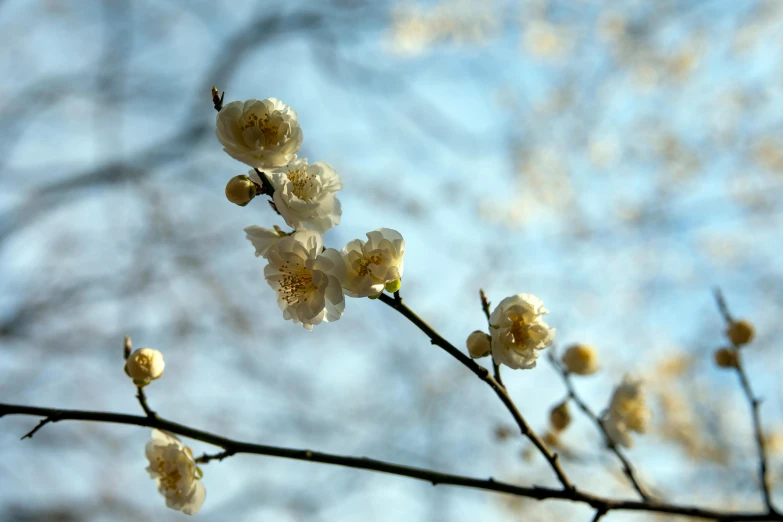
x=617, y=159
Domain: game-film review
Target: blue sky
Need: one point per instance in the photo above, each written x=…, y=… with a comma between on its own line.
x=478, y=153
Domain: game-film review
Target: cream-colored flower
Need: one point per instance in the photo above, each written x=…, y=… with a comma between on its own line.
x=144, y=366
x=581, y=359
x=306, y=278
x=373, y=263
x=519, y=331
x=262, y=238
x=478, y=344
x=175, y=471
x=627, y=412
x=261, y=133
x=305, y=195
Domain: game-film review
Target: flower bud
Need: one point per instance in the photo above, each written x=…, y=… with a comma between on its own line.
x=393, y=286
x=560, y=417
x=240, y=190
x=581, y=359
x=144, y=365
x=550, y=439
x=726, y=357
x=740, y=332
x=478, y=344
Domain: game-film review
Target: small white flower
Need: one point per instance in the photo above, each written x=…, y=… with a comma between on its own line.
x=306, y=278
x=144, y=366
x=305, y=194
x=262, y=238
x=261, y=133
x=478, y=344
x=627, y=412
x=519, y=331
x=373, y=263
x=175, y=471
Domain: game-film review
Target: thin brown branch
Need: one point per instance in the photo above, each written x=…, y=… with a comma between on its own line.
x=54, y=417
x=754, y=403
x=233, y=447
x=495, y=365
x=483, y=374
x=627, y=467
x=205, y=458
x=599, y=514
x=143, y=402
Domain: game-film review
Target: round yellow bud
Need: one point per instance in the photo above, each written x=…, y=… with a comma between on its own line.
x=478, y=344
x=550, y=439
x=393, y=286
x=144, y=366
x=740, y=332
x=240, y=190
x=560, y=417
x=726, y=357
x=581, y=359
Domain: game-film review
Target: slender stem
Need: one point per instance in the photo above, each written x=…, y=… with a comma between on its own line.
x=599, y=514
x=483, y=374
x=232, y=447
x=627, y=467
x=759, y=434
x=143, y=402
x=495, y=365
x=754, y=403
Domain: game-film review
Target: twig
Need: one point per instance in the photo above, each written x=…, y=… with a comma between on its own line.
x=54, y=417
x=495, y=365
x=266, y=186
x=143, y=401
x=205, y=458
x=599, y=514
x=483, y=374
x=627, y=467
x=433, y=477
x=754, y=403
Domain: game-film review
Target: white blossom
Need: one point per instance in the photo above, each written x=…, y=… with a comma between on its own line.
x=144, y=366
x=627, y=412
x=262, y=239
x=306, y=278
x=261, y=133
x=478, y=344
x=519, y=331
x=373, y=263
x=175, y=471
x=305, y=194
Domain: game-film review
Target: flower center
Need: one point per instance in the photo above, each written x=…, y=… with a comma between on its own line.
x=169, y=478
x=363, y=267
x=143, y=360
x=302, y=183
x=269, y=130
x=296, y=284
x=520, y=331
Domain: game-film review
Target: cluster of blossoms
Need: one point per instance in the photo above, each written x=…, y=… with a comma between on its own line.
x=311, y=281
